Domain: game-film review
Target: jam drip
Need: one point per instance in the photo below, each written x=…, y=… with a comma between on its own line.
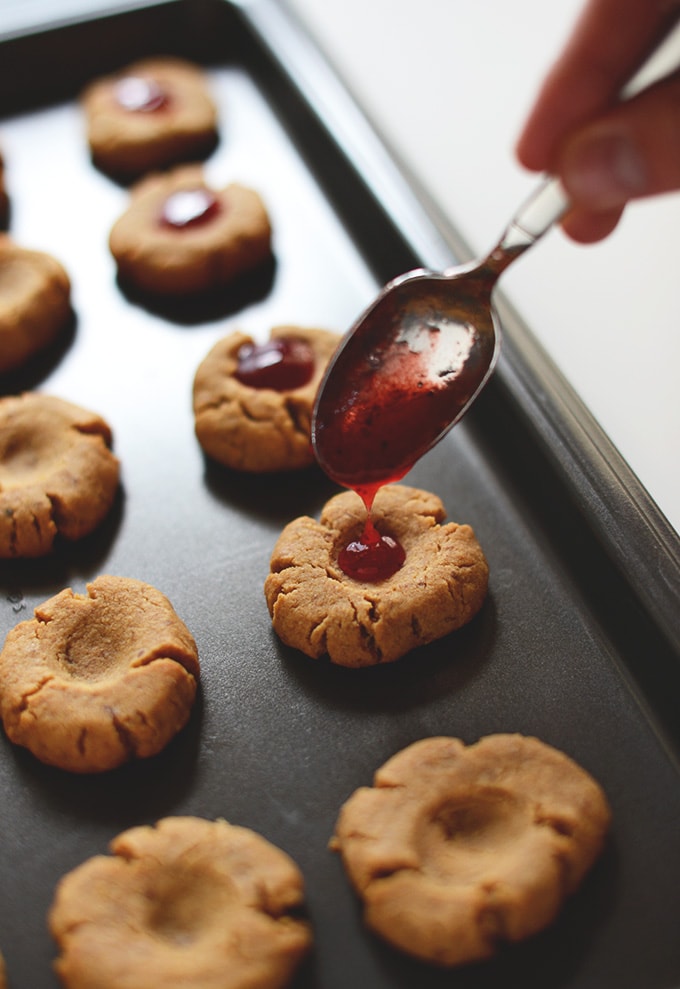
x=281, y=364
x=140, y=95
x=189, y=208
x=385, y=404
x=373, y=557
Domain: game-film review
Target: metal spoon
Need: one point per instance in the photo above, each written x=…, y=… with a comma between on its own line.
x=416, y=360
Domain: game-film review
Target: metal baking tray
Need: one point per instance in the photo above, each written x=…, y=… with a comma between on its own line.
x=578, y=642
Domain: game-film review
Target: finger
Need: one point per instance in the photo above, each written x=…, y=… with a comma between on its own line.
x=610, y=41
x=586, y=227
x=630, y=152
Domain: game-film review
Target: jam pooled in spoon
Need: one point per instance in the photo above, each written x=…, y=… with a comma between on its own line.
x=189, y=208
x=394, y=388
x=282, y=364
x=140, y=95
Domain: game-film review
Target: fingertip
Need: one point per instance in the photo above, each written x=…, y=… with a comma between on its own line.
x=586, y=227
x=528, y=155
x=602, y=168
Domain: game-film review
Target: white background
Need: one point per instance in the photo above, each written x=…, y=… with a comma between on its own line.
x=448, y=83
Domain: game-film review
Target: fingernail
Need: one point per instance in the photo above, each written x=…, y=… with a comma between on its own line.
x=604, y=171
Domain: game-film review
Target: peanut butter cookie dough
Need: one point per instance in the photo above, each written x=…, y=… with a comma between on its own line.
x=187, y=903
x=456, y=849
x=58, y=476
x=95, y=680
x=319, y=610
x=260, y=429
x=35, y=302
x=151, y=114
x=178, y=236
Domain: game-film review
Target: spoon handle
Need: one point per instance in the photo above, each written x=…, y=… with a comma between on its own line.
x=544, y=207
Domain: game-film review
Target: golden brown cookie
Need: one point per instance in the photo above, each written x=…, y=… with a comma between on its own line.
x=254, y=424
x=151, y=114
x=179, y=236
x=97, y=679
x=188, y=902
x=456, y=849
x=319, y=610
x=35, y=302
x=58, y=476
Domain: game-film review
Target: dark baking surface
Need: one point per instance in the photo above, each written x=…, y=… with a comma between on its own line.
x=577, y=642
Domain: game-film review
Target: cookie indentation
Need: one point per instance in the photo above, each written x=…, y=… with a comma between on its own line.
x=186, y=904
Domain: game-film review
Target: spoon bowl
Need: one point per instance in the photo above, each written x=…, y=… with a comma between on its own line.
x=416, y=360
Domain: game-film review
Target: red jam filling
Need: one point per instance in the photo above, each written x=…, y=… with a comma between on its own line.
x=140, y=95
x=281, y=364
x=189, y=208
x=373, y=557
x=381, y=411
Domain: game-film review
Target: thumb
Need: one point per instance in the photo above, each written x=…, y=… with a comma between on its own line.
x=632, y=151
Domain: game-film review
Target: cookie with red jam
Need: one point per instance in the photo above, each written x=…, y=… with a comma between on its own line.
x=150, y=115
x=180, y=237
x=253, y=402
x=316, y=606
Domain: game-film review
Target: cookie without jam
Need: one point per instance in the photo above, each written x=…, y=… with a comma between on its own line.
x=257, y=429
x=164, y=260
x=188, y=902
x=318, y=609
x=58, y=476
x=126, y=142
x=456, y=849
x=97, y=679
x=35, y=302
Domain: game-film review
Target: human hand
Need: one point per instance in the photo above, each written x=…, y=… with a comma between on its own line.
x=607, y=151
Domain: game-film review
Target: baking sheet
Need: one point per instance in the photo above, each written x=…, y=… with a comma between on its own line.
x=565, y=648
